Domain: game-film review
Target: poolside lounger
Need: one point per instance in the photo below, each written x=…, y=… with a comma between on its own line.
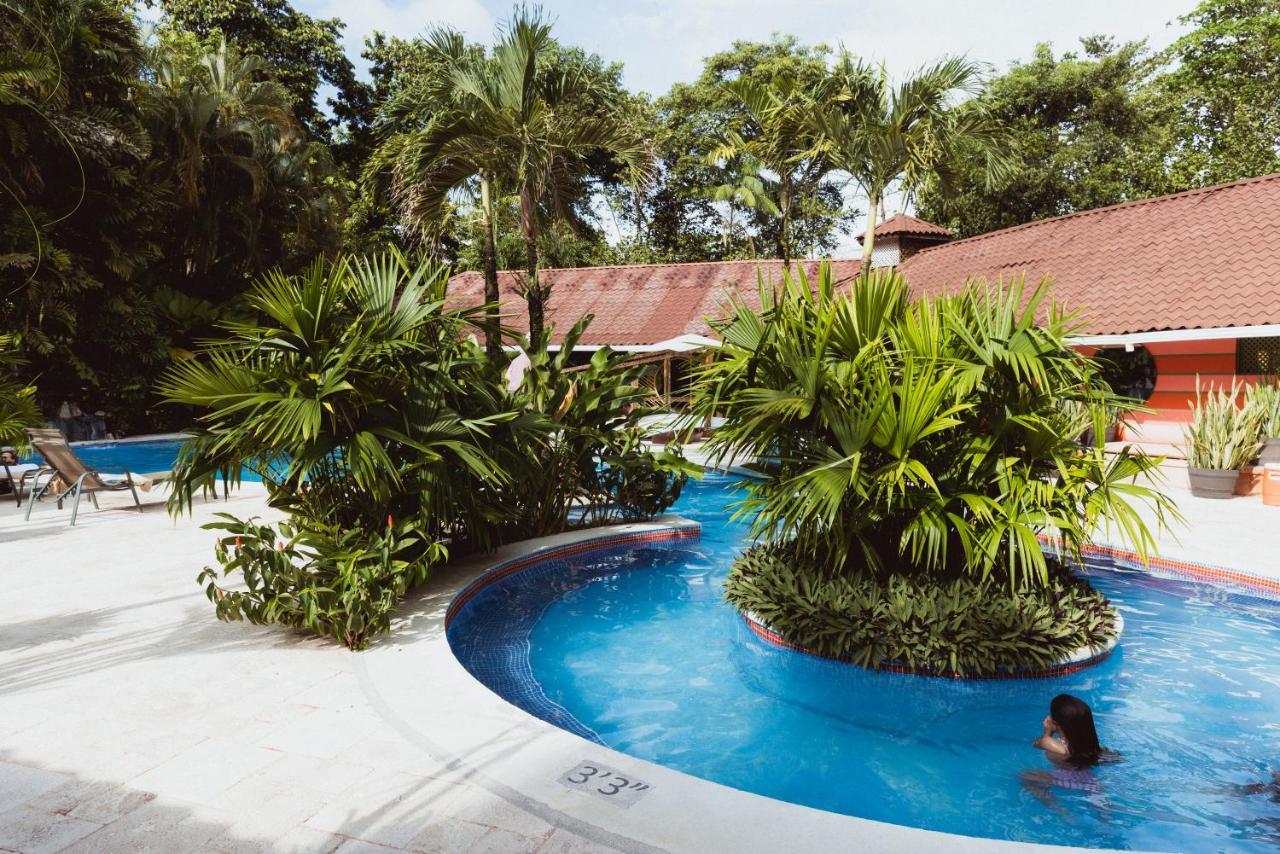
x=18, y=475
x=64, y=465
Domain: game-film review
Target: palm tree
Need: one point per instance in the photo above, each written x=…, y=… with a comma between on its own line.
x=440, y=155
x=524, y=120
x=239, y=160
x=748, y=189
x=885, y=136
x=780, y=136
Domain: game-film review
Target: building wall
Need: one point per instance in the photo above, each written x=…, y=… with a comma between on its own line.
x=1179, y=366
x=885, y=252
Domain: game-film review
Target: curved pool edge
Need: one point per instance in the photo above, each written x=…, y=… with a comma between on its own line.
x=1079, y=659
x=415, y=683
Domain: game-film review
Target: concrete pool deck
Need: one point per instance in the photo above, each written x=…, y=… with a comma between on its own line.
x=130, y=719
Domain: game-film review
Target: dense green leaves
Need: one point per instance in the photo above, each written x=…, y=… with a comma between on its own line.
x=958, y=627
x=378, y=424
x=1113, y=122
x=919, y=437
x=17, y=400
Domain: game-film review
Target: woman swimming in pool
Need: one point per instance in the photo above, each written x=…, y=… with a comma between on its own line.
x=1069, y=735
x=1071, y=742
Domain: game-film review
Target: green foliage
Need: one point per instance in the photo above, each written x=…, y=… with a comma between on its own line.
x=135, y=174
x=913, y=438
x=907, y=136
x=1114, y=123
x=1087, y=132
x=588, y=459
x=1263, y=398
x=304, y=53
x=17, y=400
x=306, y=574
x=694, y=123
x=518, y=119
x=1222, y=435
x=1219, y=95
x=377, y=423
x=946, y=626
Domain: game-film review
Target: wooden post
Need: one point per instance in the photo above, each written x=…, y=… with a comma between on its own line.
x=666, y=377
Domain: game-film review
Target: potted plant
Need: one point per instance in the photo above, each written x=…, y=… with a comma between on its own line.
x=1264, y=399
x=1221, y=438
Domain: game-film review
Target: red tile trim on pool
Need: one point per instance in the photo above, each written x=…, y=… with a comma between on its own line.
x=1193, y=570
x=769, y=636
x=517, y=564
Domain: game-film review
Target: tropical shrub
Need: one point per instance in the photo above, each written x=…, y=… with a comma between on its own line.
x=1222, y=434
x=301, y=573
x=378, y=424
x=588, y=463
x=357, y=398
x=920, y=440
x=956, y=626
x=17, y=400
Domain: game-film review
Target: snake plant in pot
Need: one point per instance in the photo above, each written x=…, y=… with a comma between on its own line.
x=1264, y=399
x=1221, y=439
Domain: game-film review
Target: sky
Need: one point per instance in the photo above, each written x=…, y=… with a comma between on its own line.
x=661, y=42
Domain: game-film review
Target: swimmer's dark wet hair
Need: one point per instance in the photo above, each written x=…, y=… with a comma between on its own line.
x=1074, y=717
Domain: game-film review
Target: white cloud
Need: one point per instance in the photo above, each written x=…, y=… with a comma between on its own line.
x=404, y=19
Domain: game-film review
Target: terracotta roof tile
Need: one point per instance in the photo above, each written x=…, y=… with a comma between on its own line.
x=638, y=304
x=1203, y=258
x=903, y=224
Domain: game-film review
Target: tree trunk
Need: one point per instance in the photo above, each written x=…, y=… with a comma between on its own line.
x=869, y=239
x=533, y=290
x=489, y=258
x=784, y=238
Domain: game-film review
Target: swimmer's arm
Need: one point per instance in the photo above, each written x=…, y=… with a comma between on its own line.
x=1049, y=744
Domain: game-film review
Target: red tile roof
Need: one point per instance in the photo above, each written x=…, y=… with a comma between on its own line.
x=1203, y=258
x=638, y=304
x=902, y=224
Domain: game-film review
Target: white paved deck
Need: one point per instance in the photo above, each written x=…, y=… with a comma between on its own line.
x=131, y=720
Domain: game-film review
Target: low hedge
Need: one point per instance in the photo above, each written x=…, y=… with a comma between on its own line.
x=949, y=626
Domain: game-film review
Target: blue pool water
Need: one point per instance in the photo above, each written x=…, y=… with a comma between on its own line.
x=140, y=457
x=635, y=648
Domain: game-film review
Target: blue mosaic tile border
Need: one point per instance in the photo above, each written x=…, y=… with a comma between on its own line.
x=489, y=621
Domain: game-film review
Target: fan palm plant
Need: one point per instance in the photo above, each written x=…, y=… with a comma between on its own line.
x=357, y=398
x=885, y=136
x=922, y=437
x=345, y=394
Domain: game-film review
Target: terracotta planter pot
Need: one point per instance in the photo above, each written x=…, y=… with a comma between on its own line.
x=1249, y=481
x=1213, y=483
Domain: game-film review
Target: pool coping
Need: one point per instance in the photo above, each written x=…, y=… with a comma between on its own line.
x=415, y=683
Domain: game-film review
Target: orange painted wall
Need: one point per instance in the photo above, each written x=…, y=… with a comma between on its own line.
x=1179, y=366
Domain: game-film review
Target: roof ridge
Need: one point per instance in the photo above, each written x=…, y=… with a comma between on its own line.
x=1133, y=203
x=675, y=264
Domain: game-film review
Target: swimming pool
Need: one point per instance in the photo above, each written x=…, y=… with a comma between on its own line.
x=141, y=456
x=635, y=648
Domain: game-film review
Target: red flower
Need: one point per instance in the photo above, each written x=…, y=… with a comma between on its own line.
x=390, y=523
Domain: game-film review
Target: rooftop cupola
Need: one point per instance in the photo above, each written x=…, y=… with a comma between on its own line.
x=901, y=236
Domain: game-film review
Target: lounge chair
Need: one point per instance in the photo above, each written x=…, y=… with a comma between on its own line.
x=19, y=476
x=64, y=465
